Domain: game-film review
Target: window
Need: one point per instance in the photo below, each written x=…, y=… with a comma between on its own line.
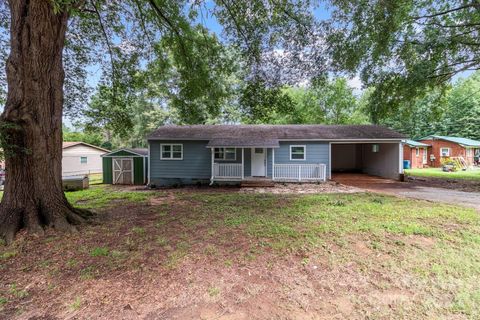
x=375, y=148
x=417, y=152
x=297, y=153
x=171, y=151
x=258, y=150
x=225, y=154
x=83, y=159
x=445, y=152
x=469, y=153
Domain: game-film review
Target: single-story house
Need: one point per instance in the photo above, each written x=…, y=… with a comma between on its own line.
x=446, y=147
x=125, y=166
x=416, y=152
x=81, y=158
x=233, y=153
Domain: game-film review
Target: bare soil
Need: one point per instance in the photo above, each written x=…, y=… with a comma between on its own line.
x=192, y=276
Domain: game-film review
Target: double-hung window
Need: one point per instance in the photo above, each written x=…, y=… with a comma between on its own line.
x=417, y=152
x=225, y=154
x=171, y=151
x=445, y=152
x=297, y=153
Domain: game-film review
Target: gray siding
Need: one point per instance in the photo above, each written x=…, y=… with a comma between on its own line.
x=385, y=163
x=317, y=152
x=196, y=163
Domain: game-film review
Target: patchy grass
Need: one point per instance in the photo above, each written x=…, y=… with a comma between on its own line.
x=263, y=255
x=97, y=197
x=470, y=174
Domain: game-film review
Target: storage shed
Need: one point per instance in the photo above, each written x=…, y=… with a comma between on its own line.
x=125, y=166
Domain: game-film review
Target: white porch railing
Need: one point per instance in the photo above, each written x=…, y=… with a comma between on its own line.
x=227, y=171
x=300, y=172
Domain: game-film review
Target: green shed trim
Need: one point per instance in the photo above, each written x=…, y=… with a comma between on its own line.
x=123, y=153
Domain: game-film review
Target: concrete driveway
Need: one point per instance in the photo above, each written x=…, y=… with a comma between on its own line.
x=409, y=189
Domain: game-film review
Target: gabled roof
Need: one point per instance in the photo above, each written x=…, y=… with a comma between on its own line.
x=133, y=151
x=416, y=144
x=254, y=134
x=68, y=144
x=462, y=141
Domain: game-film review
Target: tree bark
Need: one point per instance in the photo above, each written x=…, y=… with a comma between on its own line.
x=31, y=124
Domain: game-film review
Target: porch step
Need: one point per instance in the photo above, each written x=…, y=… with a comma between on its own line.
x=257, y=184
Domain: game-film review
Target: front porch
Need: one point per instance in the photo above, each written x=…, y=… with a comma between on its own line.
x=254, y=164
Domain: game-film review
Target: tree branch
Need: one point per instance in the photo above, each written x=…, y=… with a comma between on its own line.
x=470, y=5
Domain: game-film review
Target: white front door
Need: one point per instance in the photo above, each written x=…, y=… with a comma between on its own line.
x=122, y=171
x=258, y=162
x=425, y=152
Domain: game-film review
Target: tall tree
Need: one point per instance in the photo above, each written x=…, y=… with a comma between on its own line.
x=404, y=48
x=48, y=35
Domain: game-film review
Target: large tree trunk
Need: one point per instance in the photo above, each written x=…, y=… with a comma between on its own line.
x=31, y=124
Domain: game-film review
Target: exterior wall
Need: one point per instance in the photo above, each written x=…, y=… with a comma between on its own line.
x=346, y=157
x=196, y=165
x=456, y=150
x=71, y=160
x=107, y=170
x=385, y=163
x=409, y=153
x=317, y=152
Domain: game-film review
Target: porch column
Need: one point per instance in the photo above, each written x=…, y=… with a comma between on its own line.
x=213, y=167
x=273, y=163
x=243, y=165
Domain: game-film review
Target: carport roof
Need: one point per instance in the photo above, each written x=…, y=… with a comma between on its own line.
x=414, y=143
x=257, y=134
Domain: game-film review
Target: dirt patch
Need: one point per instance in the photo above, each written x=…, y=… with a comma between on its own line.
x=304, y=188
x=453, y=184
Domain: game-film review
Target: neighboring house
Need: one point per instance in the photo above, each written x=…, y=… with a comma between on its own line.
x=232, y=153
x=125, y=166
x=447, y=147
x=416, y=152
x=81, y=158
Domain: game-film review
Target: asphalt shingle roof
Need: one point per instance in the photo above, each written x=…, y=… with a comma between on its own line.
x=257, y=134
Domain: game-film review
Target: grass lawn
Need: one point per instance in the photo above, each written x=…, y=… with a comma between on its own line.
x=471, y=174
x=207, y=253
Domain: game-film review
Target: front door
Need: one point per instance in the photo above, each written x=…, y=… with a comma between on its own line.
x=424, y=160
x=122, y=171
x=258, y=162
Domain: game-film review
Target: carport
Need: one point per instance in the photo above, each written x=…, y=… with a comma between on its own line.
x=378, y=158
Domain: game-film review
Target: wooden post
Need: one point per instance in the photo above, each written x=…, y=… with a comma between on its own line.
x=273, y=164
x=243, y=175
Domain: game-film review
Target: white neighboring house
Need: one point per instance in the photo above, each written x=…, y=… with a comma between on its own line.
x=81, y=158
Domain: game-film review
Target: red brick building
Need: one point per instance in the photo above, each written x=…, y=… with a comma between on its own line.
x=416, y=152
x=446, y=147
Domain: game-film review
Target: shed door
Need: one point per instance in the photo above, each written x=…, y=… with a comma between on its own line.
x=122, y=171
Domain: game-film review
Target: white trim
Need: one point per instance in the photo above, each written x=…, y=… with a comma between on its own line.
x=225, y=153
x=330, y=161
x=171, y=151
x=441, y=153
x=273, y=164
x=400, y=157
x=243, y=165
x=305, y=139
x=298, y=146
